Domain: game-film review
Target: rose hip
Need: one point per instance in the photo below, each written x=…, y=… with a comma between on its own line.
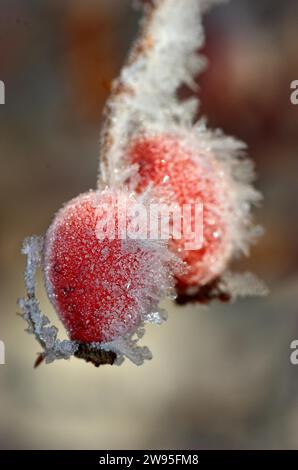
x=184, y=174
x=101, y=288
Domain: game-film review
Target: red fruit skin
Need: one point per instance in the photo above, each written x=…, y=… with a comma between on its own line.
x=88, y=280
x=183, y=174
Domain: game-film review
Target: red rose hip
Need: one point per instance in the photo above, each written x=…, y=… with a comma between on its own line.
x=183, y=173
x=102, y=288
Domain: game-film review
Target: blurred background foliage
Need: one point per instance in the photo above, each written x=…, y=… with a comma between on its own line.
x=221, y=376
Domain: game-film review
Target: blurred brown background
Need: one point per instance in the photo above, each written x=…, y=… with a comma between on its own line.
x=221, y=377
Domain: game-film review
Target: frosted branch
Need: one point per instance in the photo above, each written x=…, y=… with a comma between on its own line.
x=163, y=57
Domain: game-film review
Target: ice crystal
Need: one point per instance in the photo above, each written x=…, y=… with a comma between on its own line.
x=242, y=285
x=39, y=324
x=231, y=154
x=127, y=346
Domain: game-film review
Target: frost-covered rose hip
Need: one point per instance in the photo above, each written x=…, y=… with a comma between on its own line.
x=105, y=289
x=102, y=288
x=184, y=173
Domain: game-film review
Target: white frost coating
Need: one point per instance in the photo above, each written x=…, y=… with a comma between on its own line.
x=156, y=318
x=144, y=96
x=242, y=285
x=149, y=278
x=159, y=276
x=144, y=102
x=127, y=346
x=239, y=170
x=39, y=324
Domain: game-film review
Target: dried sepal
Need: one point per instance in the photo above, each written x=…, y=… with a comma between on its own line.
x=226, y=288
